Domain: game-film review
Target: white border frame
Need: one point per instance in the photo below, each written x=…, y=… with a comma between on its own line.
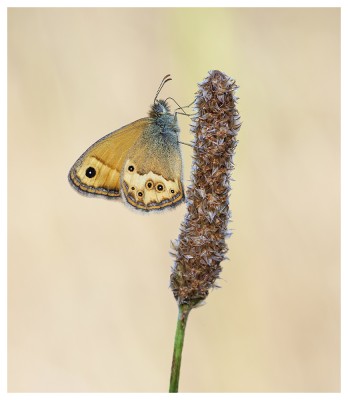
x=3, y=197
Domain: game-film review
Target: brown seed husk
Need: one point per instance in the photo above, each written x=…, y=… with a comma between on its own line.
x=201, y=245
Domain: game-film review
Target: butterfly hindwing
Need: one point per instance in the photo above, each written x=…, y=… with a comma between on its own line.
x=97, y=171
x=151, y=178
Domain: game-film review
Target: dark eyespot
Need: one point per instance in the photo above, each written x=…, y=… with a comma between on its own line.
x=90, y=172
x=133, y=188
x=131, y=168
x=140, y=194
x=172, y=191
x=149, y=184
x=160, y=187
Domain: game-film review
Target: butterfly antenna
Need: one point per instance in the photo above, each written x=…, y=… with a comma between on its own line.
x=164, y=81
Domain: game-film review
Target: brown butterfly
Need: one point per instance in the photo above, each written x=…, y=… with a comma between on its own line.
x=140, y=162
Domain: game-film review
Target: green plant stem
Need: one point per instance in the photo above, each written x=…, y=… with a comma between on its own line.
x=184, y=310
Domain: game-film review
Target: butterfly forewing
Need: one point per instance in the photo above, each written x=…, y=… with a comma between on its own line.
x=97, y=171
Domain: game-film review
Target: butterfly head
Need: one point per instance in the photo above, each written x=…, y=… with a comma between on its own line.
x=159, y=108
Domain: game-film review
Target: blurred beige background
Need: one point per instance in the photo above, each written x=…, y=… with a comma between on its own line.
x=89, y=305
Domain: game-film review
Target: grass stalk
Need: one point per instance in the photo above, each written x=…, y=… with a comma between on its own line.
x=184, y=311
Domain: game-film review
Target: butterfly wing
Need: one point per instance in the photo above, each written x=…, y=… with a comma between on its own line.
x=97, y=171
x=151, y=178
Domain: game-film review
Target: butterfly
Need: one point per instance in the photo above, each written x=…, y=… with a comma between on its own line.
x=139, y=163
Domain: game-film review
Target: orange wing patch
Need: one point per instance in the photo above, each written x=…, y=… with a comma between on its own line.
x=97, y=171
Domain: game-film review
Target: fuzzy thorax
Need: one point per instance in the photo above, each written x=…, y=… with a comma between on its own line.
x=201, y=245
x=163, y=119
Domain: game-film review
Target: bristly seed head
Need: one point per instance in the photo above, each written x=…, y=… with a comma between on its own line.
x=201, y=245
